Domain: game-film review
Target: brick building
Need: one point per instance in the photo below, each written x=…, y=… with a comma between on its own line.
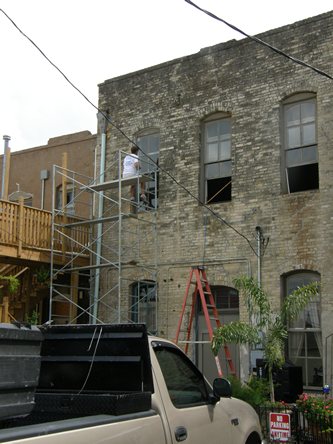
x=248, y=132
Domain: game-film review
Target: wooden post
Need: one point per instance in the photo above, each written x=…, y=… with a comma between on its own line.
x=5, y=314
x=20, y=226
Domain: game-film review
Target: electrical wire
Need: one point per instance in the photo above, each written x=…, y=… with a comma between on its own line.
x=261, y=42
x=217, y=216
x=45, y=56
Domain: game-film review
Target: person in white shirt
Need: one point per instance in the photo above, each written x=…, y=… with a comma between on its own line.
x=131, y=167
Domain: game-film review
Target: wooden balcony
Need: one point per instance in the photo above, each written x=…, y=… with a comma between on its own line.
x=26, y=235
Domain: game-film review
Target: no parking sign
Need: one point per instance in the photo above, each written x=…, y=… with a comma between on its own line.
x=279, y=426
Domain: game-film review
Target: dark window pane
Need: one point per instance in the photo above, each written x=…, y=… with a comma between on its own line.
x=218, y=190
x=303, y=178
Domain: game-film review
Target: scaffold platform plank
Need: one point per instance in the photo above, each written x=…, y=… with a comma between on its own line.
x=112, y=184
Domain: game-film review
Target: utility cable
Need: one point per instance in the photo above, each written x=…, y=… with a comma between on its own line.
x=261, y=42
x=45, y=56
x=130, y=140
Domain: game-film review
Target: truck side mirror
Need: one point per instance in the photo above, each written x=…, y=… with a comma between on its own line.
x=222, y=388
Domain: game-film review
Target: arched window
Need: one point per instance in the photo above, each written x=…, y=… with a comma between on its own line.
x=226, y=298
x=143, y=304
x=304, y=333
x=216, y=165
x=300, y=143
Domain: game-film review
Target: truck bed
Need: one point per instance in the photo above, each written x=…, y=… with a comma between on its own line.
x=15, y=430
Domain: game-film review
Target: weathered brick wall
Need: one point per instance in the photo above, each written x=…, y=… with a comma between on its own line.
x=249, y=81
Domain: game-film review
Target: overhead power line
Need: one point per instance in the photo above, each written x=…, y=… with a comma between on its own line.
x=261, y=42
x=217, y=216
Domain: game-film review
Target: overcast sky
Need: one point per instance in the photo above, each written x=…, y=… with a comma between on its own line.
x=95, y=40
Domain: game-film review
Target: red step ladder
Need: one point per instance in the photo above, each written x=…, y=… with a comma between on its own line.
x=199, y=279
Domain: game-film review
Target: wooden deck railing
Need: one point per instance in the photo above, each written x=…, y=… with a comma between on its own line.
x=26, y=227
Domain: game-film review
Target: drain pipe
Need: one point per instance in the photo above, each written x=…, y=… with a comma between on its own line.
x=103, y=125
x=259, y=239
x=5, y=168
x=257, y=353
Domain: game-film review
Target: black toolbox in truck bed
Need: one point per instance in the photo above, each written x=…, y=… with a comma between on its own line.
x=94, y=369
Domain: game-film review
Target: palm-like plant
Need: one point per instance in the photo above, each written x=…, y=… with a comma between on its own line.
x=267, y=328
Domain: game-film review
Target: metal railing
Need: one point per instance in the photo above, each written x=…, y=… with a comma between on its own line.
x=305, y=428
x=27, y=227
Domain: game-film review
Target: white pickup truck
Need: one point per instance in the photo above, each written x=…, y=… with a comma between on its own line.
x=181, y=406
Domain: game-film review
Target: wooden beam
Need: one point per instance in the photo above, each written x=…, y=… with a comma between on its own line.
x=20, y=233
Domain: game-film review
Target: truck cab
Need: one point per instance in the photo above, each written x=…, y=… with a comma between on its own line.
x=197, y=412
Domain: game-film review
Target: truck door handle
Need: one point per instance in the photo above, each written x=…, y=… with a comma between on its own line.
x=180, y=433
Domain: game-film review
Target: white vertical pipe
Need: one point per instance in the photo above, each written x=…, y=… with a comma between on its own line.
x=259, y=237
x=100, y=225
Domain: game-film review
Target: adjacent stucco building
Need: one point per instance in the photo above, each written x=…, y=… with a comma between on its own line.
x=31, y=170
x=33, y=200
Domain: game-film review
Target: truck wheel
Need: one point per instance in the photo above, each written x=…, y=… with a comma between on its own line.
x=254, y=438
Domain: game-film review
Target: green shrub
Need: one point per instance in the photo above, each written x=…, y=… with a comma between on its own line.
x=255, y=391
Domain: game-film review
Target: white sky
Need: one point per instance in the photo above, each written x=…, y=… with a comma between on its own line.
x=95, y=40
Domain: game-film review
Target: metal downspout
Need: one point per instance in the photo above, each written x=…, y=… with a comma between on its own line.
x=99, y=216
x=259, y=240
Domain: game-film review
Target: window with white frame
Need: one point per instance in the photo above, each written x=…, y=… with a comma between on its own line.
x=143, y=304
x=217, y=159
x=149, y=143
x=300, y=143
x=305, y=347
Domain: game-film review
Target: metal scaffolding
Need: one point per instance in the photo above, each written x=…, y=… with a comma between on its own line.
x=104, y=247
